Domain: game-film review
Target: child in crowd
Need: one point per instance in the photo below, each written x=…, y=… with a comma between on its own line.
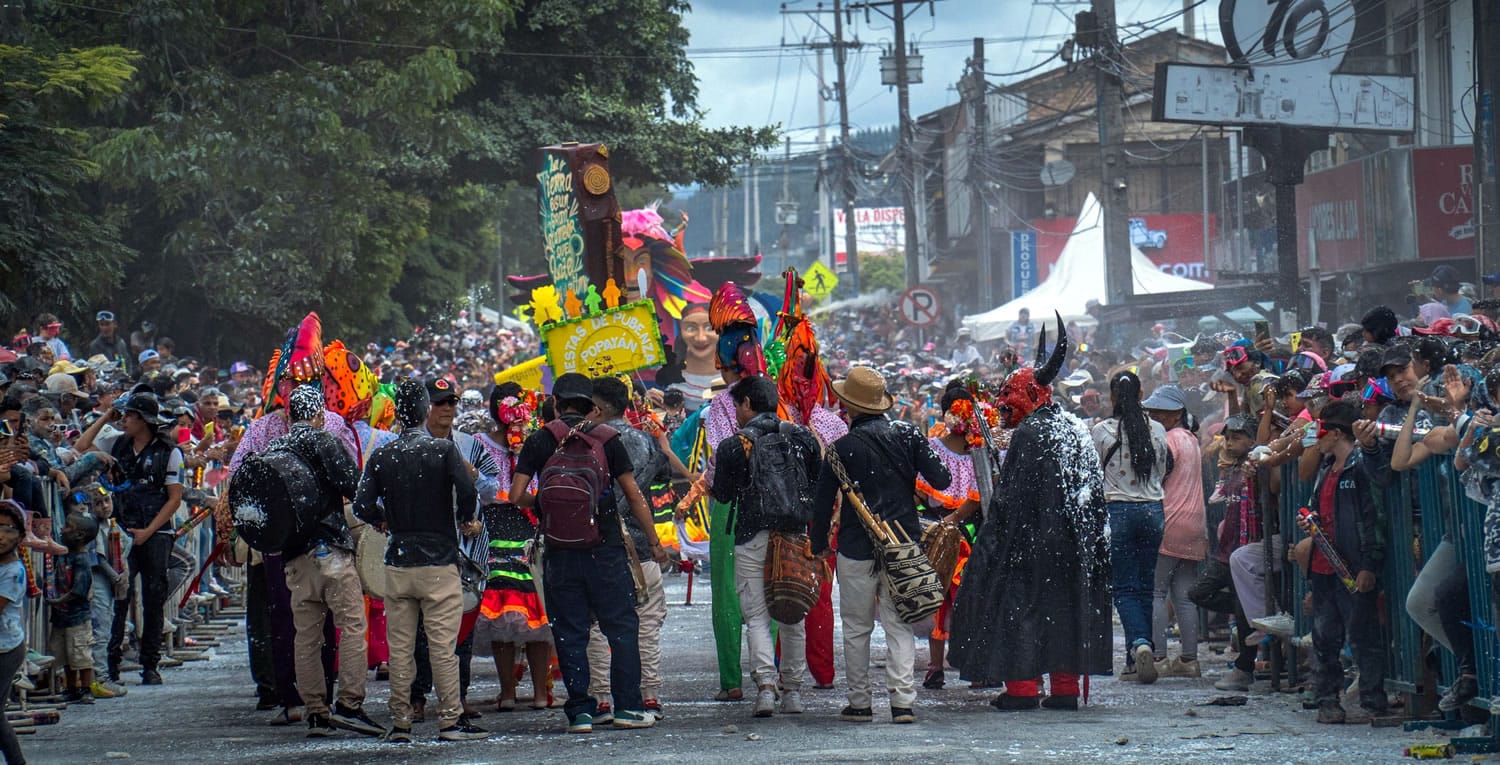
x=1345, y=512
x=109, y=583
x=72, y=638
x=12, y=617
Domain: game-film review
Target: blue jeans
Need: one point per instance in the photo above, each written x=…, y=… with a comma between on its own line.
x=102, y=611
x=1135, y=530
x=597, y=583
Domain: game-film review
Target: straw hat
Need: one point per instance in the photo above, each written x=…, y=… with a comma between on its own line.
x=864, y=391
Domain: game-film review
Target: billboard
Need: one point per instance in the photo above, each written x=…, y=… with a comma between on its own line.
x=1331, y=205
x=1173, y=242
x=1285, y=72
x=877, y=231
x=1443, y=181
x=1023, y=270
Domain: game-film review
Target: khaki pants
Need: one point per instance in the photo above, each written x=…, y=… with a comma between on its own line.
x=750, y=583
x=860, y=592
x=652, y=612
x=435, y=594
x=320, y=585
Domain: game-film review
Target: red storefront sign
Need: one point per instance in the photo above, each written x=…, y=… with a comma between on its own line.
x=1444, y=184
x=1173, y=242
x=1331, y=204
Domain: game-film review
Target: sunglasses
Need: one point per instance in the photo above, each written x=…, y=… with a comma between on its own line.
x=1378, y=388
x=446, y=402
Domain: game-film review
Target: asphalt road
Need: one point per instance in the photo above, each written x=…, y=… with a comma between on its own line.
x=205, y=713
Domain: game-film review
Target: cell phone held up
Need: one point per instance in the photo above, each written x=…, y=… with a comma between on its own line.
x=1262, y=330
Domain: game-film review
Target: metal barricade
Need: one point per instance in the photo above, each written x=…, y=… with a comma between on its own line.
x=1402, y=562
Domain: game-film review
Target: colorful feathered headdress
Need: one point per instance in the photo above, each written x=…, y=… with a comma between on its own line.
x=671, y=285
x=739, y=338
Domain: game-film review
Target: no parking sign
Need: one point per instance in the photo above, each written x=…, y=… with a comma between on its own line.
x=920, y=306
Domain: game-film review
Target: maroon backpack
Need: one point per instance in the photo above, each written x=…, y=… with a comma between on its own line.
x=572, y=484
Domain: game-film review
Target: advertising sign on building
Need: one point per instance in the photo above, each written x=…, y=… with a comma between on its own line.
x=1023, y=267
x=1286, y=56
x=1173, y=242
x=1330, y=205
x=1444, y=195
x=877, y=231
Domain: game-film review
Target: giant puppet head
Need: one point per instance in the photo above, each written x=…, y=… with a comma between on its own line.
x=1030, y=388
x=349, y=386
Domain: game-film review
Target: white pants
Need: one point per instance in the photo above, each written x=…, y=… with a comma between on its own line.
x=860, y=592
x=1247, y=566
x=750, y=585
x=651, y=610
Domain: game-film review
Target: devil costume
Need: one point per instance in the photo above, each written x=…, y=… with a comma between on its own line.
x=1036, y=594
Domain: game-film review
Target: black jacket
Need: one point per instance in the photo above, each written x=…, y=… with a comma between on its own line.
x=114, y=350
x=884, y=458
x=732, y=475
x=1358, y=523
x=338, y=478
x=423, y=490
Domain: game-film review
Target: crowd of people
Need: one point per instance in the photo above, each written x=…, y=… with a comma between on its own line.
x=1042, y=485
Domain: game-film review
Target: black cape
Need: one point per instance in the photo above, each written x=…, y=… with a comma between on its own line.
x=1035, y=596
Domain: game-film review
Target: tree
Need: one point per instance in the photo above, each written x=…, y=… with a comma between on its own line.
x=58, y=253
x=881, y=272
x=353, y=158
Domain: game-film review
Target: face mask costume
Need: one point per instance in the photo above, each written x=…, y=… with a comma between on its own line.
x=739, y=338
x=1030, y=388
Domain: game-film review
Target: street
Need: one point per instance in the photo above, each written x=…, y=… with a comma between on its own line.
x=205, y=713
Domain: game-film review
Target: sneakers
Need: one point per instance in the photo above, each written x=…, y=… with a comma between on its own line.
x=1237, y=680
x=150, y=677
x=1145, y=664
x=115, y=689
x=583, y=723
x=1179, y=667
x=1460, y=693
x=318, y=726
x=463, y=730
x=791, y=703
x=1330, y=713
x=1008, y=703
x=78, y=696
x=354, y=720
x=398, y=735
x=605, y=714
x=857, y=714
x=902, y=716
x=654, y=707
x=99, y=691
x=1280, y=625
x=629, y=719
x=765, y=702
x=1069, y=703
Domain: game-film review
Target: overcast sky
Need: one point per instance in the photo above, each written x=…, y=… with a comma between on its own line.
x=765, y=86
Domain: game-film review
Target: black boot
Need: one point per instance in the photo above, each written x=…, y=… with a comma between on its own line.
x=1008, y=703
x=1061, y=702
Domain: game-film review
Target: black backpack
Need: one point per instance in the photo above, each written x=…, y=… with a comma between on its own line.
x=275, y=499
x=779, y=485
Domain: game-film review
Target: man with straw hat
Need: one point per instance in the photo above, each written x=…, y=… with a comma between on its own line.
x=882, y=459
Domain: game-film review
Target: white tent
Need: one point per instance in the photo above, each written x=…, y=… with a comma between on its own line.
x=1077, y=278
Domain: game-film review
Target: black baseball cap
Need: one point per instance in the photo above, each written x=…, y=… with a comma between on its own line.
x=573, y=386
x=440, y=390
x=1395, y=356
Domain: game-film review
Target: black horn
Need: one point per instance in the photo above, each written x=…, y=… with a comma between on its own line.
x=1041, y=346
x=1059, y=352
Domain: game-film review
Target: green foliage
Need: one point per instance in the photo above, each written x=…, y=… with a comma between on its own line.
x=361, y=158
x=877, y=272
x=58, y=251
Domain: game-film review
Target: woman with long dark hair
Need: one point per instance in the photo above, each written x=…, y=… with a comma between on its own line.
x=1134, y=453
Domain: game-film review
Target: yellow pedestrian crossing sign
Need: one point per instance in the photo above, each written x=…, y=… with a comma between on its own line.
x=819, y=281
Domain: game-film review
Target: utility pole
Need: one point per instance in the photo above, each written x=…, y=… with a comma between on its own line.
x=1104, y=41
x=976, y=93
x=756, y=241
x=745, y=193
x=898, y=11
x=840, y=48
x=825, y=227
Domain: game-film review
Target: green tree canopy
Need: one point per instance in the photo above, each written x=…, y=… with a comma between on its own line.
x=353, y=157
